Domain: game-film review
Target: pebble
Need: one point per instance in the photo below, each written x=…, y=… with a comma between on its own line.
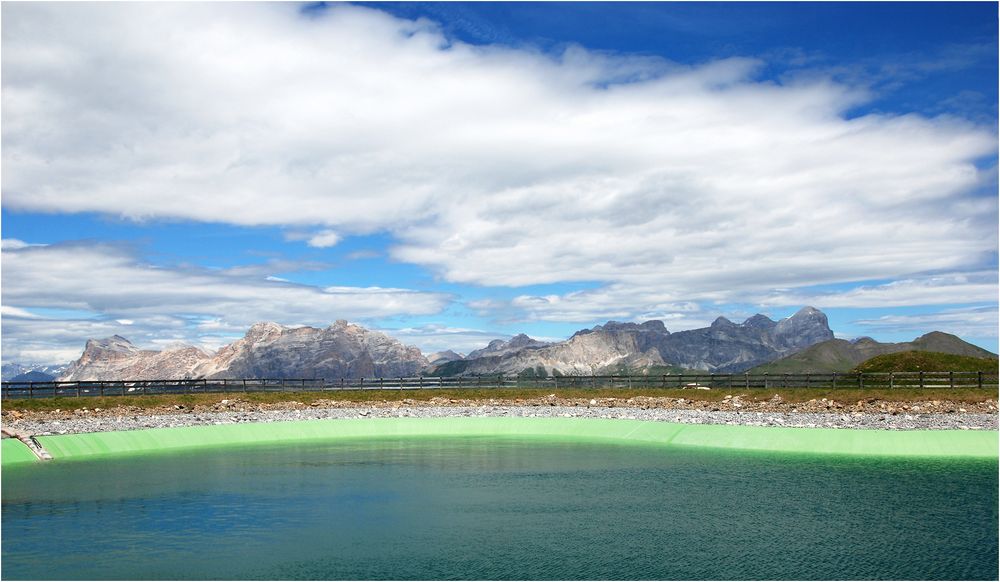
x=970, y=421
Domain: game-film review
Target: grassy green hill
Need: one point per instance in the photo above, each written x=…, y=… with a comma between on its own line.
x=926, y=362
x=835, y=355
x=839, y=355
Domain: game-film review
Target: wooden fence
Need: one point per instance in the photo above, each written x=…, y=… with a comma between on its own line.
x=980, y=380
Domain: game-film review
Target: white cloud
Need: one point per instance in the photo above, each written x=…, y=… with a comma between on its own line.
x=147, y=302
x=9, y=311
x=324, y=239
x=949, y=288
x=13, y=243
x=966, y=322
x=490, y=165
x=433, y=338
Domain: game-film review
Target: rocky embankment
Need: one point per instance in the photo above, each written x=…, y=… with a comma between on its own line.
x=864, y=414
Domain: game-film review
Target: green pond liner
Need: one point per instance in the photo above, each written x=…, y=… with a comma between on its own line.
x=14, y=452
x=915, y=443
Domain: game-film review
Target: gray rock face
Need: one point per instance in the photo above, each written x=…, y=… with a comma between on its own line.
x=613, y=347
x=342, y=350
x=268, y=350
x=807, y=327
x=116, y=358
x=726, y=347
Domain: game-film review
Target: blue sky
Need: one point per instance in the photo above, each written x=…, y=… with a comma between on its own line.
x=456, y=172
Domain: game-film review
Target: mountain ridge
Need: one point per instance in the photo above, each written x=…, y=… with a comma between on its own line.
x=348, y=350
x=839, y=355
x=722, y=347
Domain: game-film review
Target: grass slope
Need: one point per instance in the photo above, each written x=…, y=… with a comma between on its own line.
x=927, y=362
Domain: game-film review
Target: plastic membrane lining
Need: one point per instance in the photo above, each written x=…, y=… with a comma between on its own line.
x=13, y=451
x=922, y=443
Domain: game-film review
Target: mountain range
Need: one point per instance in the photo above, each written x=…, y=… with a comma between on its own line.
x=802, y=342
x=617, y=347
x=31, y=372
x=268, y=350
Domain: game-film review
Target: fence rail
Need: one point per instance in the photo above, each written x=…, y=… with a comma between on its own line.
x=15, y=390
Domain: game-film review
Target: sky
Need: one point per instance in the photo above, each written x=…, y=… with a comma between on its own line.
x=459, y=172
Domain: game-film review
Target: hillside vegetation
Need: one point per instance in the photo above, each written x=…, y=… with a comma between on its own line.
x=839, y=355
x=915, y=361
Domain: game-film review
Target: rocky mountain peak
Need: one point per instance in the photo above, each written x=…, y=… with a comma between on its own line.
x=519, y=341
x=115, y=343
x=263, y=331
x=760, y=321
x=499, y=347
x=807, y=327
x=654, y=325
x=722, y=322
x=444, y=357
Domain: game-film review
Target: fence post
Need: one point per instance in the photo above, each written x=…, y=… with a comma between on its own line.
x=421, y=384
x=892, y=380
x=861, y=380
x=765, y=380
x=381, y=383
x=746, y=380
x=834, y=379
x=951, y=380
x=980, y=375
x=921, y=378
x=31, y=390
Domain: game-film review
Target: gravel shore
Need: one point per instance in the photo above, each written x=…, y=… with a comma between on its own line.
x=732, y=411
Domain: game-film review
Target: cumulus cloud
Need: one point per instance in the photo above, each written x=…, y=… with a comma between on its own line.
x=118, y=293
x=489, y=165
x=324, y=239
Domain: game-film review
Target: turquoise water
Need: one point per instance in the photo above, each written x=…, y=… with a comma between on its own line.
x=498, y=509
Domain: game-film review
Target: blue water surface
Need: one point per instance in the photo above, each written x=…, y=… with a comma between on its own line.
x=489, y=508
